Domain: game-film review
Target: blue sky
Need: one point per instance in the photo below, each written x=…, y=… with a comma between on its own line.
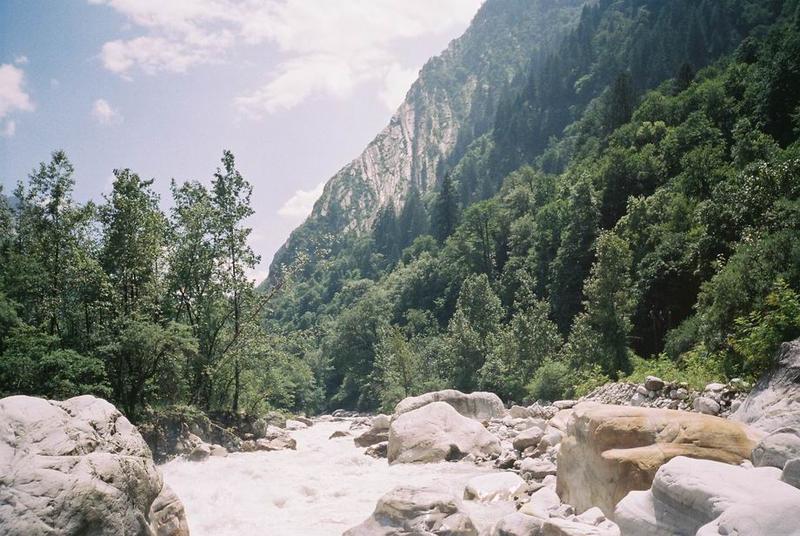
x=295, y=88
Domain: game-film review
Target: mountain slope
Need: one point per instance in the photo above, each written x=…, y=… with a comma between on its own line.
x=452, y=102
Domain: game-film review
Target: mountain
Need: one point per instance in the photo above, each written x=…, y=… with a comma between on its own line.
x=452, y=103
x=618, y=200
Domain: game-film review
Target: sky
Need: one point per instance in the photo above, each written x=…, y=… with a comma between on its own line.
x=295, y=88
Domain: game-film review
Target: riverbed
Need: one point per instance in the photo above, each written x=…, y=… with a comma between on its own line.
x=323, y=488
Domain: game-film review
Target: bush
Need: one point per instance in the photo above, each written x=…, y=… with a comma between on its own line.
x=551, y=381
x=697, y=367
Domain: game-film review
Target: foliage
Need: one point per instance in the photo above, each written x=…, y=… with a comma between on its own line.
x=757, y=336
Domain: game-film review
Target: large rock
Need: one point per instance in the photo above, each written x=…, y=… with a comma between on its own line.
x=774, y=402
x=79, y=467
x=611, y=450
x=416, y=510
x=480, y=406
x=708, y=498
x=436, y=432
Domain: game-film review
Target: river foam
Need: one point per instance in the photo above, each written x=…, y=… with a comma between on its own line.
x=323, y=488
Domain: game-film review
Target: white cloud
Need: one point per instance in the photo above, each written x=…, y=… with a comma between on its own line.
x=329, y=47
x=9, y=129
x=396, y=84
x=21, y=60
x=105, y=114
x=300, y=204
x=12, y=93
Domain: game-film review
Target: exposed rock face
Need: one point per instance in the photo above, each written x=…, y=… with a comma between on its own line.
x=451, y=104
x=79, y=467
x=774, y=403
x=411, y=510
x=707, y=498
x=611, y=450
x=480, y=406
x=437, y=432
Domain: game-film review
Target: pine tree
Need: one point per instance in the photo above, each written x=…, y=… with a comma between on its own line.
x=413, y=220
x=445, y=210
x=620, y=102
x=386, y=234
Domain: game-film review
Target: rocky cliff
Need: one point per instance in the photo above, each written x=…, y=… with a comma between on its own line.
x=451, y=104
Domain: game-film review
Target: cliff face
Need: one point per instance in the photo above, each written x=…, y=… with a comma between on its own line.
x=451, y=103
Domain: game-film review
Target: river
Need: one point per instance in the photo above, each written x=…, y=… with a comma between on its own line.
x=323, y=488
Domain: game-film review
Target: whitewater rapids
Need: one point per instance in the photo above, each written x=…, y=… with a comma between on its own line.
x=323, y=488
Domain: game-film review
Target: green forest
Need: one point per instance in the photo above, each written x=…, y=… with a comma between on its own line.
x=632, y=208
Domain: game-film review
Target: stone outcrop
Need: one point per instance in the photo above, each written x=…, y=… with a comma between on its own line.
x=774, y=402
x=414, y=510
x=480, y=406
x=611, y=450
x=708, y=498
x=436, y=432
x=79, y=467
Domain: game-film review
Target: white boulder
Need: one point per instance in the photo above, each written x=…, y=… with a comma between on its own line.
x=416, y=510
x=703, y=497
x=436, y=432
x=79, y=467
x=481, y=406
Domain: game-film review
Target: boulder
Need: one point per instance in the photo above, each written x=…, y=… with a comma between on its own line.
x=219, y=451
x=517, y=524
x=653, y=383
x=292, y=424
x=791, y=473
x=304, y=420
x=437, y=432
x=537, y=468
x=777, y=448
x=707, y=405
x=520, y=412
x=480, y=406
x=493, y=487
x=282, y=442
x=79, y=467
x=339, y=433
x=541, y=503
x=416, y=510
x=200, y=453
x=774, y=402
x=528, y=438
x=707, y=498
x=377, y=433
x=379, y=450
x=611, y=450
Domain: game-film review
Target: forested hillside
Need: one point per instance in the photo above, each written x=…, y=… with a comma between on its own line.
x=632, y=208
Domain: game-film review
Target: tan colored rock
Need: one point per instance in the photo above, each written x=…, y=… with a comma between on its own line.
x=611, y=450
